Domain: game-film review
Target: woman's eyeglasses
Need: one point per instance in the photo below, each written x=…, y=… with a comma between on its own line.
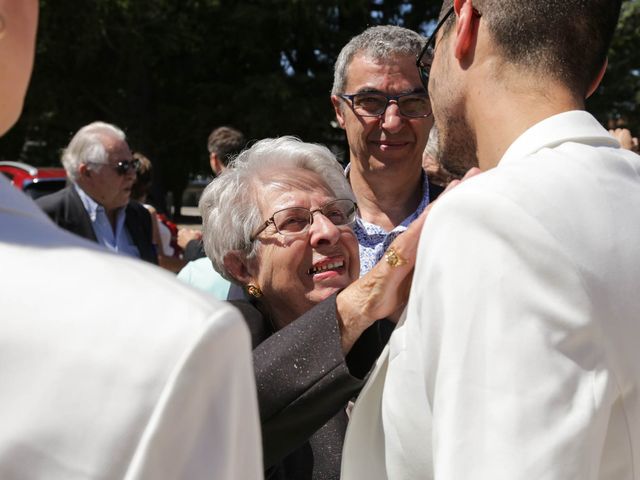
x=297, y=220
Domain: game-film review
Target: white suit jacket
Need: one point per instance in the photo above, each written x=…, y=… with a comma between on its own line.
x=519, y=357
x=111, y=369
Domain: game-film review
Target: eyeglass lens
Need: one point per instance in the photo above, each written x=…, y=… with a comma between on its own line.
x=123, y=166
x=375, y=104
x=425, y=58
x=297, y=219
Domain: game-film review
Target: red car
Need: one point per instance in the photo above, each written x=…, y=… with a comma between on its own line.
x=34, y=181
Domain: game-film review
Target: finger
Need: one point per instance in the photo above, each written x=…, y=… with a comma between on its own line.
x=452, y=184
x=472, y=172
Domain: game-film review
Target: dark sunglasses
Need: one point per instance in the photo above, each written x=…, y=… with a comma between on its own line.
x=123, y=166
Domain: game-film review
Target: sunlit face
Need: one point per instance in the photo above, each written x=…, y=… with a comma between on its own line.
x=297, y=272
x=391, y=141
x=104, y=184
x=456, y=139
x=17, y=47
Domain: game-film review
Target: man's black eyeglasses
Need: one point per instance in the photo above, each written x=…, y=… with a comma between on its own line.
x=424, y=60
x=374, y=104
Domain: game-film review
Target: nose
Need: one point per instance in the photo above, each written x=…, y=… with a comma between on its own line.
x=322, y=231
x=391, y=120
x=131, y=172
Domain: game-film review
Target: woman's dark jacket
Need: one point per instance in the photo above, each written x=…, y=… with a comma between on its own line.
x=304, y=383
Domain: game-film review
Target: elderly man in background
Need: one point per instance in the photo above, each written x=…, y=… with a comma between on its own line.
x=518, y=357
x=385, y=111
x=97, y=205
x=103, y=374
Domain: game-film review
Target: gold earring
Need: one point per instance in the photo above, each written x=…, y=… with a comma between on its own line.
x=254, y=291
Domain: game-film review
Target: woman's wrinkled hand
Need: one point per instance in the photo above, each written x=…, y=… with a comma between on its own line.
x=384, y=290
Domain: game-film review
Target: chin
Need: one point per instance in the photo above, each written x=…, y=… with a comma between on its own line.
x=321, y=294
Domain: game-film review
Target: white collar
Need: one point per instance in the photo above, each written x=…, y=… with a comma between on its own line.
x=576, y=125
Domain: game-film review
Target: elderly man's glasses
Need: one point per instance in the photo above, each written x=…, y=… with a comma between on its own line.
x=123, y=166
x=374, y=104
x=297, y=220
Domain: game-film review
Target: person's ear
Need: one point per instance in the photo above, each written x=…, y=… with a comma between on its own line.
x=238, y=266
x=337, y=103
x=216, y=164
x=596, y=81
x=84, y=170
x=466, y=27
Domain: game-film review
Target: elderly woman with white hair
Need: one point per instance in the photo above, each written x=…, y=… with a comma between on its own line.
x=278, y=223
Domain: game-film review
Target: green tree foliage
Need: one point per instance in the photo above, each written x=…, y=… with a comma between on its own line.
x=617, y=99
x=168, y=71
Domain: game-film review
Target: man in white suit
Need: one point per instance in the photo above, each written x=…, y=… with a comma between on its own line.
x=518, y=355
x=109, y=368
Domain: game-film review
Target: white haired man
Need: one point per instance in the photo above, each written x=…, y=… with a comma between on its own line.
x=97, y=205
x=518, y=356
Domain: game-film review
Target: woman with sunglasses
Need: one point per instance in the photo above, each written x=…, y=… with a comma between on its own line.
x=97, y=204
x=278, y=222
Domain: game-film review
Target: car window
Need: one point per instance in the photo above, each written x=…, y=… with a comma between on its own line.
x=43, y=187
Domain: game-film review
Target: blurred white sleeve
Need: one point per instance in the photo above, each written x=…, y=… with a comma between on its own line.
x=206, y=425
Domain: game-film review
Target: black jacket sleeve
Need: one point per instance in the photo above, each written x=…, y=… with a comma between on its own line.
x=194, y=250
x=303, y=378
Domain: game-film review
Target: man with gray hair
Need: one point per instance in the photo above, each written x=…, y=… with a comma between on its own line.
x=97, y=205
x=384, y=109
x=518, y=354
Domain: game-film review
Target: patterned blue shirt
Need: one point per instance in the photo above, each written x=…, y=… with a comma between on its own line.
x=375, y=240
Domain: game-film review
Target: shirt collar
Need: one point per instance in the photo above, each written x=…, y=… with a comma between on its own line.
x=90, y=205
x=575, y=126
x=424, y=201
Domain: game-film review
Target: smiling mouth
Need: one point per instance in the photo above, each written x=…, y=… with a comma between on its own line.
x=390, y=144
x=326, y=267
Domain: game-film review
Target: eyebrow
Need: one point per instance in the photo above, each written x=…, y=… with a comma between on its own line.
x=375, y=90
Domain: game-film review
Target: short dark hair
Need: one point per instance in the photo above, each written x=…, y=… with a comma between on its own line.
x=565, y=39
x=226, y=142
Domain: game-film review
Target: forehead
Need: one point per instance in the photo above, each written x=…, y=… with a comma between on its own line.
x=116, y=148
x=397, y=73
x=295, y=187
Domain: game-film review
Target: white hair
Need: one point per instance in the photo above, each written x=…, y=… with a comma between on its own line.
x=230, y=204
x=377, y=43
x=86, y=147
